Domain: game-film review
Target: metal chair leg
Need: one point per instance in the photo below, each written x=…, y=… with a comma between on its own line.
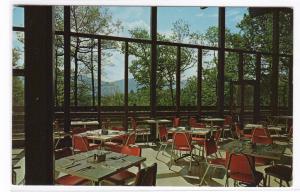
x=158, y=151
x=204, y=174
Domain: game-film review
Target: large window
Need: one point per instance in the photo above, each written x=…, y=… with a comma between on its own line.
x=283, y=81
x=265, y=82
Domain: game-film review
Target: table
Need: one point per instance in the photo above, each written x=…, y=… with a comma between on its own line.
x=193, y=131
x=84, y=123
x=286, y=117
x=212, y=120
x=157, y=122
x=251, y=126
x=79, y=165
x=273, y=151
x=96, y=135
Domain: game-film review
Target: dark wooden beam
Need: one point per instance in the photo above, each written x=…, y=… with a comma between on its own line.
x=99, y=83
x=275, y=63
x=178, y=63
x=257, y=88
x=199, y=80
x=153, y=101
x=221, y=62
x=126, y=87
x=39, y=98
x=67, y=68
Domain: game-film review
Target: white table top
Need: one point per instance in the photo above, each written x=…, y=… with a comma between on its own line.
x=212, y=119
x=96, y=134
x=250, y=126
x=158, y=121
x=84, y=123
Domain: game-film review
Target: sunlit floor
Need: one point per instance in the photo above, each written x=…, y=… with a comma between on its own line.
x=179, y=175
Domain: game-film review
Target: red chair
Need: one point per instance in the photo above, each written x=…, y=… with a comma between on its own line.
x=241, y=168
x=81, y=144
x=182, y=141
x=144, y=132
x=193, y=123
x=227, y=125
x=129, y=141
x=163, y=138
x=176, y=122
x=121, y=139
x=67, y=179
x=211, y=149
x=120, y=178
x=240, y=133
x=147, y=176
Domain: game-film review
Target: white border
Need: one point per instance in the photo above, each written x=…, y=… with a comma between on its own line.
x=6, y=84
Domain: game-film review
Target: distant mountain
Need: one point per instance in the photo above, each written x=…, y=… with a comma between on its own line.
x=109, y=88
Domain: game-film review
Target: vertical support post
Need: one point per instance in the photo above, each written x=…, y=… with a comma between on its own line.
x=39, y=102
x=67, y=68
x=257, y=88
x=126, y=87
x=290, y=80
x=178, y=81
x=275, y=62
x=99, y=82
x=199, y=80
x=153, y=101
x=221, y=62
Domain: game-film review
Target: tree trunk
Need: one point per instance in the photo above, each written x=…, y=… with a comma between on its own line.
x=76, y=71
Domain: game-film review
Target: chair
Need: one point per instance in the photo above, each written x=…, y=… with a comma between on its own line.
x=281, y=172
x=121, y=139
x=121, y=177
x=261, y=136
x=163, y=138
x=67, y=179
x=240, y=167
x=116, y=147
x=227, y=125
x=78, y=130
x=140, y=131
x=147, y=176
x=182, y=141
x=211, y=148
x=193, y=123
x=176, y=122
x=240, y=133
x=81, y=144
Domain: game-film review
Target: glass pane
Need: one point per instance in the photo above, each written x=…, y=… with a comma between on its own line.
x=231, y=74
x=248, y=98
x=83, y=72
x=18, y=17
x=283, y=82
x=209, y=78
x=188, y=25
x=265, y=83
x=236, y=98
x=166, y=76
x=286, y=31
x=59, y=70
x=139, y=74
x=249, y=67
x=59, y=18
x=188, y=84
x=112, y=74
x=18, y=50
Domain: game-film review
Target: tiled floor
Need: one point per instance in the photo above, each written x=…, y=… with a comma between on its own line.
x=179, y=175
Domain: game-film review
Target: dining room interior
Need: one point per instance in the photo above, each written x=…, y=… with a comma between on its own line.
x=187, y=96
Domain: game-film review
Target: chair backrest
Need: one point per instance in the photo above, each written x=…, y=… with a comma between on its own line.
x=238, y=130
x=182, y=139
x=80, y=143
x=130, y=139
x=147, y=176
x=78, y=130
x=133, y=151
x=176, y=122
x=133, y=124
x=192, y=121
x=217, y=135
x=261, y=136
x=210, y=146
x=241, y=164
x=227, y=120
x=61, y=153
x=163, y=133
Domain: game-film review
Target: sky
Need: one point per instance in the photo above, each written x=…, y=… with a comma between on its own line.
x=198, y=19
